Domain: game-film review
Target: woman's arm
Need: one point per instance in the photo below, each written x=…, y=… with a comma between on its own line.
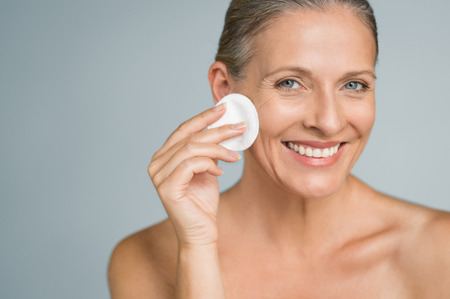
x=184, y=172
x=198, y=273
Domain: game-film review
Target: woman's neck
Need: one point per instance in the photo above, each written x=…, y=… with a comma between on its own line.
x=260, y=208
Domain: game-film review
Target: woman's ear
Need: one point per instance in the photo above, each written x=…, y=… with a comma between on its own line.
x=219, y=80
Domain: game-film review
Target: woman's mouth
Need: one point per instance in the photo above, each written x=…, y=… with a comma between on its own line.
x=315, y=154
x=310, y=151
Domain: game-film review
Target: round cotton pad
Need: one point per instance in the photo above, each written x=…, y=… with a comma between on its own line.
x=238, y=109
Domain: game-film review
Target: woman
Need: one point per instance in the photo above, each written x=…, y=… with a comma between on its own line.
x=297, y=224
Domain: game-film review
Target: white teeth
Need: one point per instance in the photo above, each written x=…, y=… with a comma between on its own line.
x=336, y=147
x=317, y=153
x=302, y=150
x=314, y=152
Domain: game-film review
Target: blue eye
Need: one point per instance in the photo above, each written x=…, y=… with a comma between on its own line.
x=289, y=84
x=355, y=86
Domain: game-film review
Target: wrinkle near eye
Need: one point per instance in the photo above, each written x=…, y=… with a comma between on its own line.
x=266, y=83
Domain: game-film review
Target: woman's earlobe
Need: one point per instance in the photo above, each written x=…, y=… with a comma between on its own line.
x=219, y=80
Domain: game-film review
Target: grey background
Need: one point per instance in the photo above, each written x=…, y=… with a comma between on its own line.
x=89, y=90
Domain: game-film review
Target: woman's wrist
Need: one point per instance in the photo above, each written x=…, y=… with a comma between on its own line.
x=198, y=246
x=198, y=272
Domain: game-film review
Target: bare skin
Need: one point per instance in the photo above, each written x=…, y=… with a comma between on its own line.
x=406, y=258
x=287, y=229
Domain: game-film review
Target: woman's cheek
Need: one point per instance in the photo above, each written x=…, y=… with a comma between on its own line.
x=364, y=117
x=360, y=114
x=275, y=116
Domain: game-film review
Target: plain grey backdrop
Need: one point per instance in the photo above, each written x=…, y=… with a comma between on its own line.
x=89, y=90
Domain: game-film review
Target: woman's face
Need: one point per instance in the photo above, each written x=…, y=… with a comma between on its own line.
x=312, y=81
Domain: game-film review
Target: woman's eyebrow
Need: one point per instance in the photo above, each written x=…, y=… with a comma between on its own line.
x=357, y=73
x=307, y=73
x=296, y=69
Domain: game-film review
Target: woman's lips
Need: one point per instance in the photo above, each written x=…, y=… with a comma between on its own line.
x=313, y=153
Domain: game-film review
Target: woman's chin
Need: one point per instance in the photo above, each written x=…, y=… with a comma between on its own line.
x=316, y=188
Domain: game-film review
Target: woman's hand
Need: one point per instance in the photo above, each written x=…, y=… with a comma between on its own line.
x=184, y=172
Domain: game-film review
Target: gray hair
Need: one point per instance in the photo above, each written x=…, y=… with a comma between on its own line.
x=246, y=18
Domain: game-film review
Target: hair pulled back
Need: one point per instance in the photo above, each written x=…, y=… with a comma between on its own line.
x=246, y=18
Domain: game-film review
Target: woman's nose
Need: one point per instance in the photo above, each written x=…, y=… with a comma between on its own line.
x=325, y=114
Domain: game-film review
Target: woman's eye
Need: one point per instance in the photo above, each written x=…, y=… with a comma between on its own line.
x=354, y=86
x=290, y=84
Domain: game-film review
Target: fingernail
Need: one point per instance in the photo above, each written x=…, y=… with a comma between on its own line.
x=239, y=126
x=219, y=107
x=234, y=155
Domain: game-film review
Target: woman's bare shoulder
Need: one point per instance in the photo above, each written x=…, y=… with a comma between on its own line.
x=144, y=263
x=409, y=214
x=432, y=236
x=429, y=255
x=421, y=222
x=424, y=251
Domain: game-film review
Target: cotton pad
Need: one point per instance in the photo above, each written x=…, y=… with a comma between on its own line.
x=239, y=108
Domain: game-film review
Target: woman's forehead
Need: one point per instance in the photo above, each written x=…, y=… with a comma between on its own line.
x=316, y=39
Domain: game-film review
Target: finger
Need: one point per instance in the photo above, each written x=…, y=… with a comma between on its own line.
x=190, y=150
x=212, y=136
x=178, y=181
x=219, y=134
x=193, y=125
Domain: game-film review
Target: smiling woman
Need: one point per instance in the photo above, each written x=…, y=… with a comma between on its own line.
x=297, y=224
